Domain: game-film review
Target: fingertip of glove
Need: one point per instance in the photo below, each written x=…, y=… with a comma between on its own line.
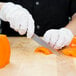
x=22, y=32
x=29, y=35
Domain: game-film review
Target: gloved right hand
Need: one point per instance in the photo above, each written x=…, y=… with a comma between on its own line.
x=58, y=38
x=19, y=18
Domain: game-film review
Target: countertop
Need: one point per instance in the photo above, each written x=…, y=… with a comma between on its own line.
x=25, y=62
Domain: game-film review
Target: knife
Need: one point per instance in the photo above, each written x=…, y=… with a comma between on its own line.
x=43, y=43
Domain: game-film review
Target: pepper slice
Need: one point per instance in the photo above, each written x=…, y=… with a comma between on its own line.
x=43, y=50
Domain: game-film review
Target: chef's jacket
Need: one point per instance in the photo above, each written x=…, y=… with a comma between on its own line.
x=48, y=14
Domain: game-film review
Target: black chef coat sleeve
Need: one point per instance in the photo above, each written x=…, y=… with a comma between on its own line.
x=72, y=7
x=3, y=0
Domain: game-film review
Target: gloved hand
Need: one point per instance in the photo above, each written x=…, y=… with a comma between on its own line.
x=58, y=38
x=19, y=18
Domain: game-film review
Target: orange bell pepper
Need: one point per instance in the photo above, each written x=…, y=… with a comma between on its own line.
x=4, y=51
x=69, y=51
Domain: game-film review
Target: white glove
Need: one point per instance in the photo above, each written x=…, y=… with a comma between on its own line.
x=58, y=38
x=19, y=18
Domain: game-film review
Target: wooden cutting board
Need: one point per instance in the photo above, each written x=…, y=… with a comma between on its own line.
x=24, y=62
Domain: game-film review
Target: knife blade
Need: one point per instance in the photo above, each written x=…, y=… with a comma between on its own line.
x=43, y=43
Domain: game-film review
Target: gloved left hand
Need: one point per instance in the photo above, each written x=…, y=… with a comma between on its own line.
x=18, y=17
x=58, y=38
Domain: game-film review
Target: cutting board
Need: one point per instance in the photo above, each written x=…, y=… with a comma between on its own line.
x=25, y=62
